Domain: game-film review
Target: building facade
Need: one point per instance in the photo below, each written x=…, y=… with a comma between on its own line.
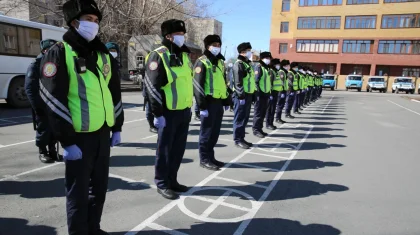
x=200, y=28
x=367, y=37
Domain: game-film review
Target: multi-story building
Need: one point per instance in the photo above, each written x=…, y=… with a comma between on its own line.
x=368, y=37
x=199, y=28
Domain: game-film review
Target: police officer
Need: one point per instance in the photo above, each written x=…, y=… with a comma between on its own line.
x=302, y=86
x=44, y=137
x=292, y=77
x=244, y=88
x=277, y=87
x=299, y=78
x=169, y=87
x=308, y=89
x=284, y=70
x=210, y=91
x=81, y=87
x=263, y=79
x=319, y=83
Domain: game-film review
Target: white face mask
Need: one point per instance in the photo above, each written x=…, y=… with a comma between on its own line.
x=287, y=67
x=278, y=67
x=249, y=54
x=295, y=69
x=114, y=54
x=214, y=50
x=88, y=30
x=179, y=40
x=266, y=61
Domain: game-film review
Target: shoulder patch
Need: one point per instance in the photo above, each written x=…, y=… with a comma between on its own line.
x=282, y=75
x=49, y=69
x=203, y=57
x=197, y=70
x=162, y=50
x=256, y=72
x=153, y=65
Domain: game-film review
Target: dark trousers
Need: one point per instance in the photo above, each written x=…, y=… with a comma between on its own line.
x=196, y=110
x=281, y=101
x=171, y=144
x=44, y=136
x=302, y=98
x=289, y=101
x=149, y=115
x=260, y=110
x=86, y=182
x=320, y=91
x=271, y=109
x=241, y=117
x=210, y=130
x=296, y=102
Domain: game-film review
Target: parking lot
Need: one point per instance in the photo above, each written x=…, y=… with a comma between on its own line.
x=347, y=165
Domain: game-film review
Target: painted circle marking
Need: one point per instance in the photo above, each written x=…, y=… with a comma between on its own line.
x=248, y=215
x=49, y=69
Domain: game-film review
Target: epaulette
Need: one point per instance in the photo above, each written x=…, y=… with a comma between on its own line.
x=162, y=49
x=203, y=57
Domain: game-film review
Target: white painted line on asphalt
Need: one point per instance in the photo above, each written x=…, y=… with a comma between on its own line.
x=30, y=141
x=415, y=100
x=327, y=105
x=18, y=117
x=29, y=172
x=254, y=166
x=3, y=120
x=216, y=204
x=172, y=204
x=241, y=182
x=404, y=107
x=165, y=229
x=273, y=183
x=268, y=155
x=204, y=199
x=285, y=140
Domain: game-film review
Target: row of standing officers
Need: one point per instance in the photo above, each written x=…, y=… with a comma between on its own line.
x=80, y=98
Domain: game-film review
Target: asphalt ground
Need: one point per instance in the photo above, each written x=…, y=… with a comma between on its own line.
x=347, y=165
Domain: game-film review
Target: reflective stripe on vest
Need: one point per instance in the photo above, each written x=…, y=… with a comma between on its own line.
x=265, y=81
x=301, y=81
x=295, y=82
x=179, y=89
x=89, y=98
x=214, y=85
x=248, y=81
x=278, y=82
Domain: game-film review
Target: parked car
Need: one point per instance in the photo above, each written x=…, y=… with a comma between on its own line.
x=328, y=81
x=376, y=84
x=403, y=84
x=354, y=82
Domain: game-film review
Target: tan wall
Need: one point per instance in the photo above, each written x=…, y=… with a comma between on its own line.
x=341, y=83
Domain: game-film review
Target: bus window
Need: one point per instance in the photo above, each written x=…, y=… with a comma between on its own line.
x=19, y=40
x=29, y=40
x=8, y=44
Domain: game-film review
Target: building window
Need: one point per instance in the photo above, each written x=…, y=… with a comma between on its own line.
x=357, y=2
x=399, y=47
x=282, y=48
x=321, y=22
x=360, y=22
x=284, y=27
x=317, y=46
x=285, y=6
x=310, y=3
x=19, y=41
x=400, y=21
x=357, y=46
x=399, y=1
x=411, y=72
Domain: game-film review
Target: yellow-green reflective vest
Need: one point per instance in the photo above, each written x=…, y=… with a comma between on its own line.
x=278, y=84
x=248, y=81
x=179, y=89
x=295, y=82
x=301, y=81
x=89, y=98
x=283, y=78
x=265, y=81
x=214, y=85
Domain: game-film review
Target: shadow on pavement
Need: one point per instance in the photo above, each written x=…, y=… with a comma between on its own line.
x=315, y=129
x=286, y=189
x=222, y=132
x=322, y=123
x=190, y=145
x=133, y=161
x=323, y=118
x=257, y=226
x=15, y=226
x=295, y=164
x=54, y=188
x=310, y=136
x=305, y=146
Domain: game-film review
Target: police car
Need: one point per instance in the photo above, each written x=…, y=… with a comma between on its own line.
x=403, y=84
x=328, y=81
x=376, y=84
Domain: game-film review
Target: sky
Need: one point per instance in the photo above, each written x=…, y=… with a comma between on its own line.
x=243, y=21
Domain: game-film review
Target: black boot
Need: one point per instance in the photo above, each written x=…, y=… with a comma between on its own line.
x=153, y=129
x=44, y=156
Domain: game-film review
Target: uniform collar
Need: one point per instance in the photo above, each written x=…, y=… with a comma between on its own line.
x=173, y=48
x=263, y=64
x=81, y=46
x=244, y=59
x=213, y=59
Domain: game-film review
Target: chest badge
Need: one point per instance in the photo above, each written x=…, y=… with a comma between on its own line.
x=106, y=69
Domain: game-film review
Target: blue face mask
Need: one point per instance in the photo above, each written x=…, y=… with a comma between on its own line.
x=295, y=69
